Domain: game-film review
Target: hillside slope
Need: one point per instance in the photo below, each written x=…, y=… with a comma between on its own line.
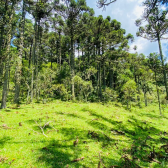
x=64, y=134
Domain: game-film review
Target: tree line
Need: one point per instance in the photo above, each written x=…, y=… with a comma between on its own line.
x=62, y=50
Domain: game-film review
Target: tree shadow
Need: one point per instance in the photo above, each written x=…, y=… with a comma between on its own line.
x=93, y=113
x=4, y=140
x=70, y=114
x=72, y=133
x=57, y=155
x=154, y=116
x=146, y=139
x=97, y=124
x=143, y=136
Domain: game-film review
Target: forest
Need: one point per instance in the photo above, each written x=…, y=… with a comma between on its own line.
x=56, y=54
x=67, y=53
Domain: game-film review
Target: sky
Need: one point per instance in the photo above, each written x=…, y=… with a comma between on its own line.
x=126, y=12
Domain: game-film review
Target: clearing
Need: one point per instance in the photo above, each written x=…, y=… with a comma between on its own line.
x=72, y=135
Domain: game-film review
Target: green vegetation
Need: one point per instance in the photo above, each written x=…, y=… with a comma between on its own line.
x=66, y=52
x=109, y=130
x=72, y=94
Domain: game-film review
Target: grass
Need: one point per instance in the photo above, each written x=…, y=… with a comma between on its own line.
x=108, y=130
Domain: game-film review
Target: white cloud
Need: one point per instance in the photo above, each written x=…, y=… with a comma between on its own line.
x=130, y=0
x=163, y=7
x=139, y=1
x=143, y=46
x=127, y=12
x=116, y=12
x=138, y=11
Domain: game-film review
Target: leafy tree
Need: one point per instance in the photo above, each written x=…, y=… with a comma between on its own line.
x=129, y=89
x=104, y=3
x=155, y=30
x=10, y=15
x=151, y=4
x=39, y=10
x=155, y=64
x=69, y=53
x=19, y=59
x=72, y=11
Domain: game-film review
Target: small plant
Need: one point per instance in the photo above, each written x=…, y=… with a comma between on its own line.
x=82, y=88
x=44, y=83
x=129, y=89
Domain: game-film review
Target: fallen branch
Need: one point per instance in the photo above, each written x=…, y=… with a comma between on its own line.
x=77, y=160
x=42, y=127
x=154, y=160
x=95, y=119
x=4, y=126
x=128, y=162
x=100, y=162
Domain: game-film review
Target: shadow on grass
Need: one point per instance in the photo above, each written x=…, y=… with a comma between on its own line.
x=4, y=140
x=30, y=121
x=97, y=124
x=70, y=115
x=143, y=135
x=93, y=113
x=57, y=155
x=72, y=133
x=153, y=116
x=146, y=140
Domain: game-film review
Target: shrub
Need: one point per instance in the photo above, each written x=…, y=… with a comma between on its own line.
x=109, y=95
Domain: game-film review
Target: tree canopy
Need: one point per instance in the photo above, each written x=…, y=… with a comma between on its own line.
x=67, y=52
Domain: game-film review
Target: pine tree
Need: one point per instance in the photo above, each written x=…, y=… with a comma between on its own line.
x=155, y=30
x=19, y=59
x=10, y=15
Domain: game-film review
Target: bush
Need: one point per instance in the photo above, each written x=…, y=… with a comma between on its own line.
x=82, y=88
x=109, y=95
x=60, y=91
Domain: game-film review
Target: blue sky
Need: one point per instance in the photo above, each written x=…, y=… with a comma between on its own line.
x=126, y=12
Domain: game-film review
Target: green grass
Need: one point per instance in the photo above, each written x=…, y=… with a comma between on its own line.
x=109, y=130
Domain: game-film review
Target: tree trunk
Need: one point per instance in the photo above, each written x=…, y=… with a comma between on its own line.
x=145, y=98
x=97, y=79
x=158, y=95
x=163, y=66
x=72, y=64
x=138, y=97
x=33, y=60
x=6, y=75
x=111, y=75
x=38, y=39
x=1, y=41
x=32, y=83
x=79, y=56
x=104, y=74
x=88, y=55
x=1, y=57
x=30, y=54
x=60, y=49
x=19, y=59
x=100, y=90
x=51, y=60
x=104, y=70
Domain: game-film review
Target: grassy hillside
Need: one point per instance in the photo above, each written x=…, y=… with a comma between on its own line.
x=43, y=135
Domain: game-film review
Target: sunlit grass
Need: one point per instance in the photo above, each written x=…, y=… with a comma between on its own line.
x=108, y=130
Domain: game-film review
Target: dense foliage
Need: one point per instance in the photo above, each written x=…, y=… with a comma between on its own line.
x=61, y=50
